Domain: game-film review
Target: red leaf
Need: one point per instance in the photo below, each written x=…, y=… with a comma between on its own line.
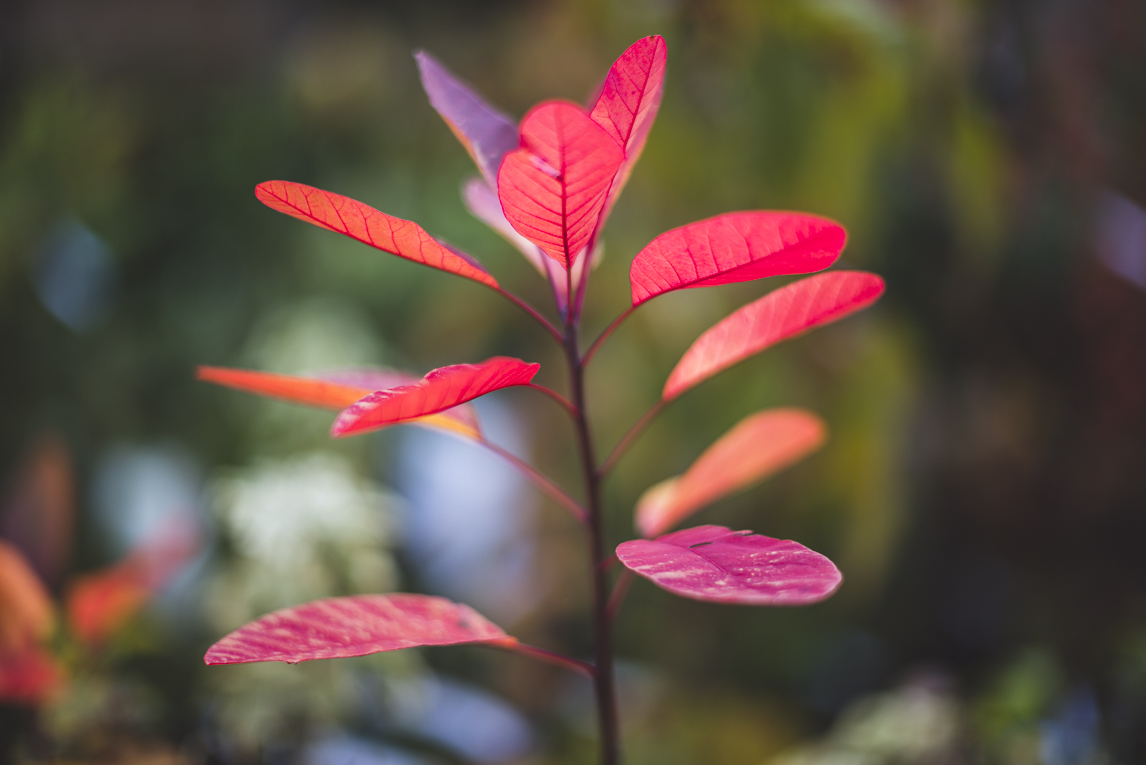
x=777, y=316
x=29, y=675
x=337, y=628
x=735, y=247
x=338, y=390
x=439, y=390
x=553, y=187
x=25, y=606
x=715, y=564
x=628, y=103
x=344, y=215
x=758, y=446
x=486, y=133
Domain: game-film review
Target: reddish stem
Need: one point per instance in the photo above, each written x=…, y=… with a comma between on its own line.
x=561, y=660
x=555, y=396
x=539, y=479
x=627, y=440
x=608, y=331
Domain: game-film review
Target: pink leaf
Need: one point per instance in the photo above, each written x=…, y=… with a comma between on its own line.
x=715, y=564
x=777, y=316
x=338, y=390
x=628, y=103
x=553, y=187
x=337, y=628
x=439, y=390
x=758, y=446
x=735, y=247
x=486, y=133
x=356, y=220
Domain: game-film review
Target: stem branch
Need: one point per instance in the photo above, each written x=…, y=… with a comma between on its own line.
x=627, y=440
x=540, y=480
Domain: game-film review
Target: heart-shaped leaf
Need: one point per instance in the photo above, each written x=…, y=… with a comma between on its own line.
x=628, y=103
x=486, y=132
x=356, y=220
x=715, y=564
x=777, y=316
x=440, y=389
x=338, y=390
x=358, y=625
x=552, y=188
x=758, y=446
x=735, y=247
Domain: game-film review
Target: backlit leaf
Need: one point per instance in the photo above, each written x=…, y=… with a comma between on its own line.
x=777, y=316
x=486, y=132
x=715, y=564
x=344, y=215
x=355, y=626
x=735, y=247
x=25, y=606
x=758, y=446
x=338, y=390
x=552, y=188
x=440, y=389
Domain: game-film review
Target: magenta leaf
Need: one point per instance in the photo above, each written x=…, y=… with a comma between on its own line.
x=553, y=187
x=358, y=625
x=715, y=564
x=777, y=316
x=486, y=132
x=440, y=389
x=735, y=247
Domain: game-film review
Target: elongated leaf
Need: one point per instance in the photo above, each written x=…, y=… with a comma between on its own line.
x=439, y=390
x=486, y=132
x=356, y=220
x=735, y=247
x=715, y=564
x=758, y=446
x=358, y=625
x=777, y=316
x=338, y=390
x=628, y=103
x=25, y=606
x=552, y=188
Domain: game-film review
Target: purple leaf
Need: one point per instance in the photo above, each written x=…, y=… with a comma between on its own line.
x=715, y=564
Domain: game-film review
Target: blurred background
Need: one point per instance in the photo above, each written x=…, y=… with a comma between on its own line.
x=983, y=488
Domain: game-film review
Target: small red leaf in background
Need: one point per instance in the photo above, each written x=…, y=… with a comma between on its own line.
x=355, y=626
x=100, y=603
x=553, y=187
x=29, y=676
x=439, y=390
x=628, y=103
x=25, y=606
x=486, y=132
x=715, y=564
x=777, y=316
x=356, y=220
x=38, y=512
x=338, y=390
x=758, y=446
x=735, y=247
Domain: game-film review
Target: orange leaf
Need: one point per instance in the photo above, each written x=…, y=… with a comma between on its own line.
x=25, y=606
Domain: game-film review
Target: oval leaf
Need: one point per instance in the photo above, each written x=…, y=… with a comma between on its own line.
x=715, y=564
x=486, y=132
x=552, y=188
x=777, y=316
x=356, y=220
x=439, y=390
x=358, y=625
x=735, y=247
x=758, y=446
x=338, y=390
x=628, y=103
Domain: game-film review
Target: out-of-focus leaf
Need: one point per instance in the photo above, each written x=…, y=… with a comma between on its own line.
x=355, y=626
x=758, y=446
x=483, y=204
x=30, y=675
x=486, y=132
x=25, y=606
x=101, y=602
x=628, y=102
x=344, y=215
x=440, y=389
x=777, y=316
x=735, y=247
x=338, y=390
x=38, y=513
x=553, y=187
x=715, y=564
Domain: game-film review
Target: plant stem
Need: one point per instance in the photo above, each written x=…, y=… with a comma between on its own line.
x=538, y=479
x=627, y=440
